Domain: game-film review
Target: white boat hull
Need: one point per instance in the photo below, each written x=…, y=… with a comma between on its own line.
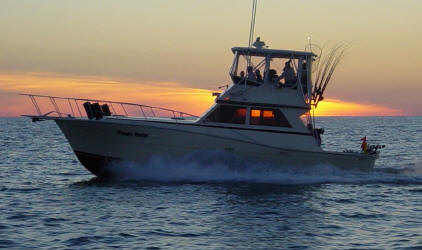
x=98, y=143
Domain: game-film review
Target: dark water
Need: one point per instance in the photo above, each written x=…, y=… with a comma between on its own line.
x=48, y=200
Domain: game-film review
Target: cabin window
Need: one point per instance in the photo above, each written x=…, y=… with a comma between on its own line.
x=228, y=114
x=268, y=117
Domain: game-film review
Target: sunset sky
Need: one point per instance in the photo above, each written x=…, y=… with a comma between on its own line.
x=175, y=53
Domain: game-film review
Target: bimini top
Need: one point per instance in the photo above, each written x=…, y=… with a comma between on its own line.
x=274, y=53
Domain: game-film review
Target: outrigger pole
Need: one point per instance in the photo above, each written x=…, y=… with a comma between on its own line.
x=251, y=32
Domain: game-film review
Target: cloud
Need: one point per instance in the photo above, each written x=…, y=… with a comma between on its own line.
x=167, y=94
x=171, y=95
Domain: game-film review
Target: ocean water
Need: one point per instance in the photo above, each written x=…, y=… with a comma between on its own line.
x=48, y=200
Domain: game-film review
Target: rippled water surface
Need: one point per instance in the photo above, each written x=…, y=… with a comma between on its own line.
x=48, y=200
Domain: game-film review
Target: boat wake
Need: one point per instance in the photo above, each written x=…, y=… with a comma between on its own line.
x=220, y=167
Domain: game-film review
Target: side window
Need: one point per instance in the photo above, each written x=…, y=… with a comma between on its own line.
x=228, y=114
x=268, y=117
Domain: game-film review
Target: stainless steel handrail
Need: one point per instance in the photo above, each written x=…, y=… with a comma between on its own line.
x=54, y=103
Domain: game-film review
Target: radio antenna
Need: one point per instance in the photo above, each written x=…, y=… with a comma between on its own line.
x=251, y=31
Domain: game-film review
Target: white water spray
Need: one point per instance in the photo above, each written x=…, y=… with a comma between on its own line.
x=221, y=167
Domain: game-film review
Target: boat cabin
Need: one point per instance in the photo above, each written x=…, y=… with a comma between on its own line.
x=269, y=91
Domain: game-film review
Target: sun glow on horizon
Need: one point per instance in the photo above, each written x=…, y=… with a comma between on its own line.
x=162, y=94
x=333, y=107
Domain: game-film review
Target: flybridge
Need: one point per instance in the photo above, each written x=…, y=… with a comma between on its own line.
x=305, y=71
x=283, y=76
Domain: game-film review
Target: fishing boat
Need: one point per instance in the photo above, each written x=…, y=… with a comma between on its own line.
x=258, y=116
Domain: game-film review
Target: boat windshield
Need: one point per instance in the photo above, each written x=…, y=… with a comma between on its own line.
x=260, y=68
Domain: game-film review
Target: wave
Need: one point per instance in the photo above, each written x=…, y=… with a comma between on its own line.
x=218, y=167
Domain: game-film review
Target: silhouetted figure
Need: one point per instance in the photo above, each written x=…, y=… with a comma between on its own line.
x=272, y=75
x=258, y=75
x=289, y=75
x=251, y=75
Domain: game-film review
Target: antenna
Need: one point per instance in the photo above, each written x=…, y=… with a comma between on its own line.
x=310, y=43
x=251, y=31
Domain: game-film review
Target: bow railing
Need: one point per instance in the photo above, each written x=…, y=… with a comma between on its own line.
x=76, y=107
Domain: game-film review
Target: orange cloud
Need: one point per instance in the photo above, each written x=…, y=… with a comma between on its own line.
x=163, y=94
x=170, y=95
x=332, y=107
